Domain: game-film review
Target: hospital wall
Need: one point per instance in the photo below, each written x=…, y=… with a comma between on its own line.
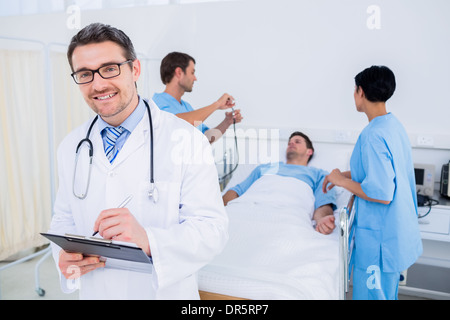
x=290, y=64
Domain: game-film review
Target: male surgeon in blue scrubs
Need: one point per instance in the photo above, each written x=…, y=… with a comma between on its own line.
x=178, y=74
x=387, y=237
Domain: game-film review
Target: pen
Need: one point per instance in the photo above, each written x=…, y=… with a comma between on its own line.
x=123, y=204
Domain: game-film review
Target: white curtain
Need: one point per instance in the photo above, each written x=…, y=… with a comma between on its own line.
x=28, y=140
x=25, y=196
x=69, y=108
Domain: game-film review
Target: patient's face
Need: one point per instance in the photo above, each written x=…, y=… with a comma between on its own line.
x=297, y=148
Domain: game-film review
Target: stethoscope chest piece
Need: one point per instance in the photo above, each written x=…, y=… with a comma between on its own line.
x=153, y=193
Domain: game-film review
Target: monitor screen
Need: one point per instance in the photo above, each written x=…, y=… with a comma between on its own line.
x=419, y=173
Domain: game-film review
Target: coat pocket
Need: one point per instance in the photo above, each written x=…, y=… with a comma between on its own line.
x=163, y=210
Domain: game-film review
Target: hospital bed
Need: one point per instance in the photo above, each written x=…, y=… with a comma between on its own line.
x=266, y=259
x=346, y=242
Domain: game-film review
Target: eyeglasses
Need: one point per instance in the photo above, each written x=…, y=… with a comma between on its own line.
x=106, y=72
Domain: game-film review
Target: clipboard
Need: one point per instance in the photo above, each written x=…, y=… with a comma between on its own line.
x=99, y=247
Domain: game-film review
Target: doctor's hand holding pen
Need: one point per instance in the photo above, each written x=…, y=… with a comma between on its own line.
x=119, y=224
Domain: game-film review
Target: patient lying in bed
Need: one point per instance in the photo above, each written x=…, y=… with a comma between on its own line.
x=308, y=184
x=273, y=251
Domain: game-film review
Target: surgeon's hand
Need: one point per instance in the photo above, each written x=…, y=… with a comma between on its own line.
x=226, y=101
x=74, y=265
x=236, y=118
x=119, y=224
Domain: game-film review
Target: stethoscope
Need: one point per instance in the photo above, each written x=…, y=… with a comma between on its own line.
x=153, y=192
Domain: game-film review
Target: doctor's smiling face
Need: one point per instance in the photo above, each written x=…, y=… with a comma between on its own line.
x=114, y=99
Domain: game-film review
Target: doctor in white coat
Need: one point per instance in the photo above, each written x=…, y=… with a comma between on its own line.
x=181, y=230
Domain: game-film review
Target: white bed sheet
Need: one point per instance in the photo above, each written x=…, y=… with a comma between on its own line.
x=273, y=251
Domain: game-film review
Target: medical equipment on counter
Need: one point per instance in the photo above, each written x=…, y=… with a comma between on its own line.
x=153, y=192
x=424, y=179
x=445, y=177
x=424, y=174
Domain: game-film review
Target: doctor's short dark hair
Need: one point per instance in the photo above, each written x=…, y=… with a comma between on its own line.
x=172, y=61
x=97, y=33
x=377, y=82
x=308, y=141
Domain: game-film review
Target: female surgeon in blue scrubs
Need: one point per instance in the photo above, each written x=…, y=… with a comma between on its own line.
x=387, y=237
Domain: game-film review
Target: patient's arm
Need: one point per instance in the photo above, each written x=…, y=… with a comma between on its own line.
x=324, y=219
x=228, y=196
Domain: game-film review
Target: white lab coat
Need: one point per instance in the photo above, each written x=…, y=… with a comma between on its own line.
x=186, y=228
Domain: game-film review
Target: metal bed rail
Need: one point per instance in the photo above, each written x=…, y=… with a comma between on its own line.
x=346, y=236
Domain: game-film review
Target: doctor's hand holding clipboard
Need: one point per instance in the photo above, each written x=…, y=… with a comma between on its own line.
x=68, y=260
x=118, y=224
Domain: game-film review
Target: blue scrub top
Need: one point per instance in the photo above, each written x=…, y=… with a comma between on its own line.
x=382, y=162
x=168, y=103
x=312, y=176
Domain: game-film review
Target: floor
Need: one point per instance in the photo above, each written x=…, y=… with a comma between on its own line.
x=18, y=282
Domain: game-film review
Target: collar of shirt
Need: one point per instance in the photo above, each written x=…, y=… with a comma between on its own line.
x=173, y=102
x=168, y=103
x=131, y=122
x=129, y=125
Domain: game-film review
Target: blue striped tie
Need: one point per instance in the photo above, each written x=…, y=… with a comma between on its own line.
x=111, y=137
